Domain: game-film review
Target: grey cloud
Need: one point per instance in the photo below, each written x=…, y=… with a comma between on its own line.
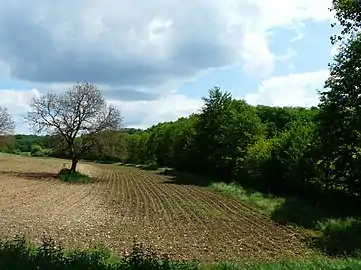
x=107, y=42
x=129, y=94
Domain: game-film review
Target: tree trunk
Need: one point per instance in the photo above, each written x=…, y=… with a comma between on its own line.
x=74, y=162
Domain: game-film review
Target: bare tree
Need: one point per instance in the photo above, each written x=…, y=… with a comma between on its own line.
x=7, y=125
x=77, y=116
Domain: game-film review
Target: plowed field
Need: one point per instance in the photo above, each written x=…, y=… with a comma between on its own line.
x=123, y=205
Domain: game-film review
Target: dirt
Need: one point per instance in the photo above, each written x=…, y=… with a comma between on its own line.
x=125, y=205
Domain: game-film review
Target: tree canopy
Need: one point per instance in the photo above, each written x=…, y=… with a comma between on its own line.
x=80, y=111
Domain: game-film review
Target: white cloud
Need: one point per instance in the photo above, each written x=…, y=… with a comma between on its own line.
x=140, y=52
x=143, y=114
x=140, y=114
x=132, y=43
x=16, y=101
x=291, y=90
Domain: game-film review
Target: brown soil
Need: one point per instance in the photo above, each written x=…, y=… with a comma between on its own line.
x=125, y=205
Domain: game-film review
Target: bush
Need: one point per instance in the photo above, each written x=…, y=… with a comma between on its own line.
x=254, y=165
x=19, y=254
x=341, y=237
x=285, y=165
x=37, y=151
x=151, y=166
x=72, y=177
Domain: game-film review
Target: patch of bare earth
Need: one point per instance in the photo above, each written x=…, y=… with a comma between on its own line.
x=123, y=205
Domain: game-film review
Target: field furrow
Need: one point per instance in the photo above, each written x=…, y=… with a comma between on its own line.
x=123, y=204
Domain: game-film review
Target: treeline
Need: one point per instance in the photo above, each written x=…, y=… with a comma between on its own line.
x=268, y=148
x=272, y=149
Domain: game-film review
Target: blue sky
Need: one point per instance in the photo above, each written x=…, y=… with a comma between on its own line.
x=155, y=61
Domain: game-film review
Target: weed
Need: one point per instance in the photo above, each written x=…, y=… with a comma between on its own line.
x=73, y=177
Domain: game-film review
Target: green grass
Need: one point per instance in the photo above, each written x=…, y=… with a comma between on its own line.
x=18, y=253
x=294, y=265
x=73, y=177
x=265, y=203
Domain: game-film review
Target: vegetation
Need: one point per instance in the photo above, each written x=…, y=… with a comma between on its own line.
x=67, y=175
x=79, y=111
x=299, y=166
x=18, y=253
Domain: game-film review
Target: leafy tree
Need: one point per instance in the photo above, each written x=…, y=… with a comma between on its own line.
x=78, y=111
x=340, y=119
x=279, y=119
x=224, y=130
x=348, y=14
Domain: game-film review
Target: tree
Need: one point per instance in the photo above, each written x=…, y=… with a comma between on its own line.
x=78, y=111
x=224, y=130
x=7, y=125
x=348, y=14
x=340, y=119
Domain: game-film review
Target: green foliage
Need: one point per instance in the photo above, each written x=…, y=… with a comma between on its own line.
x=348, y=15
x=341, y=237
x=152, y=166
x=72, y=177
x=290, y=169
x=279, y=119
x=37, y=151
x=266, y=203
x=340, y=121
x=255, y=163
x=225, y=129
x=19, y=254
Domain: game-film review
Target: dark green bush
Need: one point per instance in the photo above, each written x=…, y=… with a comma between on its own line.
x=341, y=237
x=152, y=166
x=254, y=165
x=72, y=177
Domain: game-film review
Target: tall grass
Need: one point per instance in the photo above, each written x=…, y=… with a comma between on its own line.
x=266, y=203
x=19, y=254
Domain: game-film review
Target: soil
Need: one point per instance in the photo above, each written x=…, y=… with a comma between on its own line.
x=123, y=205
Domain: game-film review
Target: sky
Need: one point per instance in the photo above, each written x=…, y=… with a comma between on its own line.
x=156, y=59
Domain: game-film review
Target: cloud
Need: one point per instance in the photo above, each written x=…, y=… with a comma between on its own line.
x=136, y=113
x=16, y=101
x=141, y=52
x=135, y=43
x=291, y=90
x=143, y=114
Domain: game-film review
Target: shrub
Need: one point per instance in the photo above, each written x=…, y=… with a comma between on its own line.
x=341, y=237
x=19, y=254
x=151, y=166
x=72, y=177
x=254, y=165
x=37, y=151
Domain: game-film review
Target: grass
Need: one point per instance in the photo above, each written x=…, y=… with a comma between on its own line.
x=323, y=264
x=267, y=204
x=331, y=225
x=18, y=253
x=335, y=232
x=73, y=177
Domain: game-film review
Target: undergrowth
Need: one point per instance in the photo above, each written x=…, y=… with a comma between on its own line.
x=73, y=177
x=336, y=232
x=266, y=203
x=19, y=253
